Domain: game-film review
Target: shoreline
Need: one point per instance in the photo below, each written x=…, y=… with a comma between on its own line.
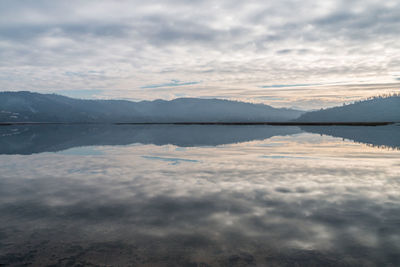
x=208, y=123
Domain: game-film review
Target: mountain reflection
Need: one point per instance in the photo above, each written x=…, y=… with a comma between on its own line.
x=29, y=139
x=379, y=136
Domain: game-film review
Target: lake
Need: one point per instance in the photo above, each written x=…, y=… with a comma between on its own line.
x=198, y=195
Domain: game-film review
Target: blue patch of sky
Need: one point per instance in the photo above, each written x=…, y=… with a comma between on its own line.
x=7, y=78
x=173, y=83
x=75, y=73
x=83, y=73
x=289, y=85
x=270, y=98
x=283, y=157
x=172, y=161
x=80, y=93
x=180, y=95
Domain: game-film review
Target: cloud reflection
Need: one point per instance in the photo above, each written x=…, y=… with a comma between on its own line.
x=231, y=207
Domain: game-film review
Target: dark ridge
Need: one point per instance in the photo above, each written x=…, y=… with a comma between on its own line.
x=34, y=107
x=384, y=108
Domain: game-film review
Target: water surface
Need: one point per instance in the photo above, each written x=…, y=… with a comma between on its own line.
x=199, y=195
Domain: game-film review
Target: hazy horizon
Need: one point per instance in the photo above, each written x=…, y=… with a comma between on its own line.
x=83, y=97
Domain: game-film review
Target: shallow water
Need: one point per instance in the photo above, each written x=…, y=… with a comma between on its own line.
x=200, y=195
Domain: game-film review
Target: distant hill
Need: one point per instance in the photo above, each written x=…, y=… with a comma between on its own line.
x=35, y=107
x=371, y=110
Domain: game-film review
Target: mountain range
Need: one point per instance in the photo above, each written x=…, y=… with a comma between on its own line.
x=35, y=107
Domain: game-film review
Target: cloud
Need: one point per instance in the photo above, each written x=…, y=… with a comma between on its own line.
x=173, y=83
x=230, y=46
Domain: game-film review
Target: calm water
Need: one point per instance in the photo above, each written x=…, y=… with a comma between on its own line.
x=199, y=196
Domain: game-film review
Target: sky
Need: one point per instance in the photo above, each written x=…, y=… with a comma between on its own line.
x=287, y=53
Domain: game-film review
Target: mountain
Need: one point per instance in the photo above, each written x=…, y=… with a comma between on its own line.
x=35, y=107
x=372, y=110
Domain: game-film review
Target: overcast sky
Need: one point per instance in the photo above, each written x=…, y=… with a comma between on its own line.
x=306, y=54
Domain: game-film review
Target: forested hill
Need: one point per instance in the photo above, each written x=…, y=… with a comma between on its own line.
x=35, y=107
x=385, y=109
